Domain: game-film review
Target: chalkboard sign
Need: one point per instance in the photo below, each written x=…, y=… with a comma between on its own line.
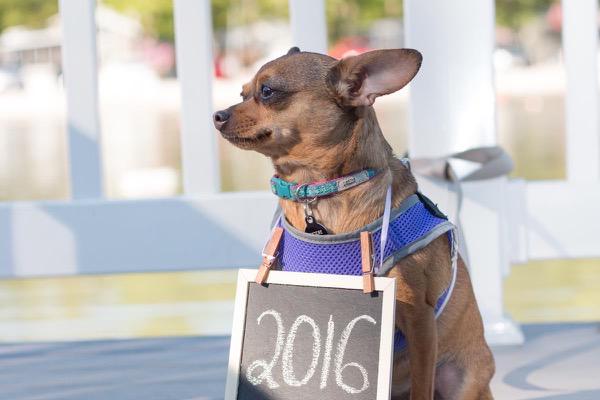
x=311, y=336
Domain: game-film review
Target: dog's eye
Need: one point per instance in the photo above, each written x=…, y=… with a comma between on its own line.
x=266, y=92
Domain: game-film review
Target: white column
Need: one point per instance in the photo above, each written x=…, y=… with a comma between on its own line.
x=452, y=97
x=309, y=26
x=199, y=150
x=580, y=46
x=81, y=85
x=453, y=108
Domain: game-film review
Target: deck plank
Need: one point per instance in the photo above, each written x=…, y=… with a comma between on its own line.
x=558, y=362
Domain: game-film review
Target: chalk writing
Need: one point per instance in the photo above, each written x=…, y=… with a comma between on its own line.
x=268, y=368
x=288, y=374
x=288, y=352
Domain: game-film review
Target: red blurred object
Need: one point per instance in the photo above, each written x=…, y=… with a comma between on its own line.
x=554, y=17
x=349, y=46
x=218, y=66
x=159, y=55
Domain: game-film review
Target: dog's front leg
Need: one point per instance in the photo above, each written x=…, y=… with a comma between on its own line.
x=421, y=337
x=415, y=317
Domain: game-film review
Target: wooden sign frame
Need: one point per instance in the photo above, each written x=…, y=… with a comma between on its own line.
x=386, y=346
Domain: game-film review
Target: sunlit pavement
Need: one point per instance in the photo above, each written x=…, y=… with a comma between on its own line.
x=558, y=362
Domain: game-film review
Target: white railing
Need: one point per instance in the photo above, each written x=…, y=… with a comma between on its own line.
x=580, y=43
x=452, y=108
x=193, y=30
x=81, y=76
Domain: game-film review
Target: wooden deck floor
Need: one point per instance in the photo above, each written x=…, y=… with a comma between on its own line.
x=558, y=362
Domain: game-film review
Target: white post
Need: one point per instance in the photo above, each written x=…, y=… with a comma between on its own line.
x=81, y=82
x=580, y=46
x=453, y=108
x=309, y=26
x=452, y=97
x=199, y=150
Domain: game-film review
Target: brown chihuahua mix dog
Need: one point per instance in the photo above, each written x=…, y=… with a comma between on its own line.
x=313, y=116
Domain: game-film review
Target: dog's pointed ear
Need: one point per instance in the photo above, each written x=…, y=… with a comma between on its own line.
x=293, y=50
x=358, y=80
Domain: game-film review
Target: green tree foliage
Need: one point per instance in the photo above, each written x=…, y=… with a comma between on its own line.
x=514, y=13
x=354, y=17
x=31, y=13
x=156, y=16
x=345, y=17
x=238, y=12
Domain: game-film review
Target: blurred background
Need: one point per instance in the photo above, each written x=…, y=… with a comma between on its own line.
x=140, y=122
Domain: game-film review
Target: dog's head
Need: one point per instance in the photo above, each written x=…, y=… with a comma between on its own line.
x=305, y=101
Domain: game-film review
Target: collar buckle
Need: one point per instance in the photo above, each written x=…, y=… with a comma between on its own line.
x=281, y=188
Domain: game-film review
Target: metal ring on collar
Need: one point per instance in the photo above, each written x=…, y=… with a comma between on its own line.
x=295, y=193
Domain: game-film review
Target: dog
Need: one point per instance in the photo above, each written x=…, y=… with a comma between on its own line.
x=312, y=115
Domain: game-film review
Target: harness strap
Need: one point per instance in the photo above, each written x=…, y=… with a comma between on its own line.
x=479, y=163
x=385, y=224
x=454, y=261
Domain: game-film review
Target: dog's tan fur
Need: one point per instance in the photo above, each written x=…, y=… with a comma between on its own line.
x=318, y=123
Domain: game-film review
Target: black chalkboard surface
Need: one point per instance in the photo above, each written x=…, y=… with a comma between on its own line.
x=311, y=336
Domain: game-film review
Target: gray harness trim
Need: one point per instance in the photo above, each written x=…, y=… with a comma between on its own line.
x=396, y=256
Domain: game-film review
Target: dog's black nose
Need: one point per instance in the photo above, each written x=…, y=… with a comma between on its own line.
x=220, y=118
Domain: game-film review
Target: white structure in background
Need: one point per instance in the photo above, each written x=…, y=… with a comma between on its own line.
x=460, y=114
x=452, y=108
x=133, y=103
x=117, y=36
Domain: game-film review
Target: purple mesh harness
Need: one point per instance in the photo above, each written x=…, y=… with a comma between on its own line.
x=412, y=226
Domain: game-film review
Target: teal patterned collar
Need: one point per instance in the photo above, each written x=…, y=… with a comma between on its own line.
x=300, y=192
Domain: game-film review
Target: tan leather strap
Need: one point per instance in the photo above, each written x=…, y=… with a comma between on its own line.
x=269, y=255
x=366, y=250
